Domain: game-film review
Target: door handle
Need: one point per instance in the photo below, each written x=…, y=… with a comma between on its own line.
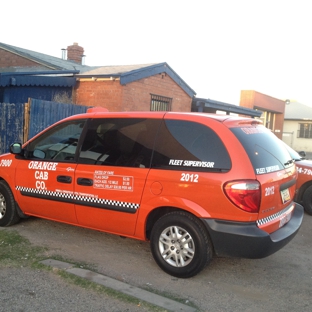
x=85, y=181
x=64, y=179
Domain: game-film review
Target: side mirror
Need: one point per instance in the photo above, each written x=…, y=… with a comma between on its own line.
x=302, y=154
x=16, y=148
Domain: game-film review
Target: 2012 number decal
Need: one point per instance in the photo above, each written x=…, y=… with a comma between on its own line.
x=269, y=191
x=187, y=177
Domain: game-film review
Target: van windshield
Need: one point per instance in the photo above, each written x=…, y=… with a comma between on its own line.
x=266, y=152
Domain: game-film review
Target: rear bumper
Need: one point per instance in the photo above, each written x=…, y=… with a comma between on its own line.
x=246, y=240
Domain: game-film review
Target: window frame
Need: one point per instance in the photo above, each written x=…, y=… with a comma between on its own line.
x=33, y=152
x=303, y=133
x=174, y=151
x=160, y=103
x=121, y=142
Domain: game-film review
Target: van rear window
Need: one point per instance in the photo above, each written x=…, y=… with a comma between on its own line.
x=266, y=152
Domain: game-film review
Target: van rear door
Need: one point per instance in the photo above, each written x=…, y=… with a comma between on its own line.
x=276, y=172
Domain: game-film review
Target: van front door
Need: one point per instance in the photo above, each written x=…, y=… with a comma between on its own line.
x=45, y=176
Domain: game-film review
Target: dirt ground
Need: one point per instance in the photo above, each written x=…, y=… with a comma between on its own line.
x=280, y=282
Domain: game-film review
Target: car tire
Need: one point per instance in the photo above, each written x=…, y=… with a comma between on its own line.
x=307, y=200
x=180, y=233
x=8, y=212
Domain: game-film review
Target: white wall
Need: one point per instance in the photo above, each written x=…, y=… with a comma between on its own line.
x=290, y=132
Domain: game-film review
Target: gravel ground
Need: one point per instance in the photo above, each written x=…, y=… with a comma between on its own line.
x=28, y=290
x=281, y=282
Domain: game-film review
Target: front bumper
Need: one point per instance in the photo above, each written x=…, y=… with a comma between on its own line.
x=246, y=240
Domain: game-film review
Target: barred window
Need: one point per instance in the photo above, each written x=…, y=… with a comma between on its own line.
x=160, y=103
x=305, y=130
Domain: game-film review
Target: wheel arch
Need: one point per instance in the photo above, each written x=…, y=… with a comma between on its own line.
x=158, y=212
x=153, y=209
x=301, y=191
x=17, y=207
x=154, y=215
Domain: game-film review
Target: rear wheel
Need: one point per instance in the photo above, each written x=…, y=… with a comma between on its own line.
x=8, y=212
x=180, y=244
x=307, y=200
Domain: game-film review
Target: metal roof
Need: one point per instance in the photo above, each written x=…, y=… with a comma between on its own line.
x=46, y=78
x=113, y=70
x=43, y=60
x=130, y=73
x=297, y=111
x=206, y=104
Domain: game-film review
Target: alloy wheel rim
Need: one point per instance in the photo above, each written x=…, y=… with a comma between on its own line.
x=176, y=246
x=2, y=206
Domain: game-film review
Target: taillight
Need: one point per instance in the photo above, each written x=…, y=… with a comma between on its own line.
x=245, y=194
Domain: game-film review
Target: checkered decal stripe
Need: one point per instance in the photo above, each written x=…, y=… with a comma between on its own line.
x=78, y=199
x=274, y=216
x=108, y=202
x=34, y=192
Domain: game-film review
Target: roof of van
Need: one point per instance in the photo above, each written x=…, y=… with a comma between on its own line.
x=103, y=112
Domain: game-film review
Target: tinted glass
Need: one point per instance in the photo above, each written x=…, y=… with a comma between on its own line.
x=266, y=152
x=57, y=144
x=185, y=145
x=119, y=142
x=294, y=155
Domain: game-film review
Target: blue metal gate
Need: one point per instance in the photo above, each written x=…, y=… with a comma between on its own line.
x=20, y=122
x=11, y=125
x=46, y=113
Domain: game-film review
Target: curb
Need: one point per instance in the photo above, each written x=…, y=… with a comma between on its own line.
x=122, y=287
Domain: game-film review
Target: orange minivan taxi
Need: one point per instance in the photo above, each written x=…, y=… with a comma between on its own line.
x=304, y=181
x=194, y=185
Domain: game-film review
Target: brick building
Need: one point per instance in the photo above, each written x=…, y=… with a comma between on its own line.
x=28, y=74
x=25, y=73
x=273, y=110
x=134, y=88
x=15, y=59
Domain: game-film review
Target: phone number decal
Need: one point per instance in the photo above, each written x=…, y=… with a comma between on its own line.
x=304, y=171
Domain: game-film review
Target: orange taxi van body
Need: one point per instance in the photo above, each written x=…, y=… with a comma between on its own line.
x=304, y=181
x=194, y=185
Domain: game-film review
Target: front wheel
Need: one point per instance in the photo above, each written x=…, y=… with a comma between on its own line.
x=307, y=200
x=8, y=212
x=180, y=244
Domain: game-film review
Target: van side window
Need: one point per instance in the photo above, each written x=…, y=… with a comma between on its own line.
x=123, y=142
x=58, y=143
x=186, y=145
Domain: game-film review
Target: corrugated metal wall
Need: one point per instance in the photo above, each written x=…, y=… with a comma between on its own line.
x=21, y=93
x=45, y=113
x=11, y=125
x=15, y=120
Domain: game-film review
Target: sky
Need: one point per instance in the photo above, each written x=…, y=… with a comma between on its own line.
x=218, y=47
